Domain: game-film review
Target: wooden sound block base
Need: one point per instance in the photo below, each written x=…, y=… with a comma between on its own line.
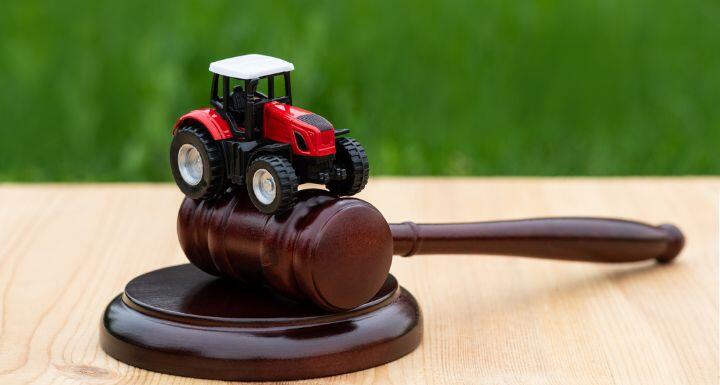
x=182, y=321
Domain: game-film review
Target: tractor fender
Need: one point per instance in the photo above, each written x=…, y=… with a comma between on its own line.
x=208, y=118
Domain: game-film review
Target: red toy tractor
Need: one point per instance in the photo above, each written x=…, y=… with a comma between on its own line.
x=261, y=141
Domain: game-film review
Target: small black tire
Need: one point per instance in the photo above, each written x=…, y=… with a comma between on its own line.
x=278, y=175
x=206, y=181
x=350, y=155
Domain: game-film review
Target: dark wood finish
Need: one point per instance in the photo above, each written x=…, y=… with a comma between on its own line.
x=337, y=252
x=333, y=252
x=571, y=239
x=180, y=320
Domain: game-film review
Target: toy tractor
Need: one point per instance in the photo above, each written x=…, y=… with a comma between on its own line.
x=261, y=141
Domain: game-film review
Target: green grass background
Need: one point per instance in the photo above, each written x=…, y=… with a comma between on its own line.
x=89, y=90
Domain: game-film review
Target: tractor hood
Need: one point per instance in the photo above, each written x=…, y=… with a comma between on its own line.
x=309, y=134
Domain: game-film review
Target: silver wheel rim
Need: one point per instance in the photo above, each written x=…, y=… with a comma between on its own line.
x=190, y=164
x=264, y=186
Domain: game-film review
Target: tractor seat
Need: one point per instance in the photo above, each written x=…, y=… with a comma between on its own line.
x=236, y=106
x=236, y=99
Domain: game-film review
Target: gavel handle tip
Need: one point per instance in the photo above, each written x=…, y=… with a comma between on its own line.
x=675, y=244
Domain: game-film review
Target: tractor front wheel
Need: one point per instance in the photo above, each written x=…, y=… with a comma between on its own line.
x=350, y=155
x=271, y=184
x=197, y=163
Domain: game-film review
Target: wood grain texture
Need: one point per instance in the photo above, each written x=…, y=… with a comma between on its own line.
x=67, y=250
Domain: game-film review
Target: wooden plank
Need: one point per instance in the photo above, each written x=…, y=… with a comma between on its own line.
x=66, y=250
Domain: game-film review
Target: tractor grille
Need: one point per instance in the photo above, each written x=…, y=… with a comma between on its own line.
x=317, y=121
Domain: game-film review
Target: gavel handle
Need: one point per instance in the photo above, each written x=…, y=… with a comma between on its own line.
x=570, y=239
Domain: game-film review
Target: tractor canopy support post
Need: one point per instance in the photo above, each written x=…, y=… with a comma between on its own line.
x=271, y=87
x=226, y=90
x=250, y=86
x=288, y=93
x=214, y=89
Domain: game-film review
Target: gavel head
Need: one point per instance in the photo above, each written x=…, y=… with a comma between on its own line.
x=333, y=252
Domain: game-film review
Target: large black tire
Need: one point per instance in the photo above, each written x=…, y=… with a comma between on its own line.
x=206, y=180
x=350, y=155
x=278, y=175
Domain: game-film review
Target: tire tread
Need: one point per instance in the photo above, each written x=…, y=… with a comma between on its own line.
x=216, y=183
x=359, y=168
x=287, y=181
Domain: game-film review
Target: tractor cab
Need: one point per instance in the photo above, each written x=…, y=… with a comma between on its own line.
x=235, y=90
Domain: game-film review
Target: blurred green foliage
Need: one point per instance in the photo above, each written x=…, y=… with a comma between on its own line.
x=89, y=90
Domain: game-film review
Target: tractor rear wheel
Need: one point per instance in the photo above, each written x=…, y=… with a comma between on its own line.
x=271, y=184
x=350, y=155
x=197, y=163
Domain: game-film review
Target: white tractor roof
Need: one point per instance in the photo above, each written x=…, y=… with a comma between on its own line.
x=250, y=66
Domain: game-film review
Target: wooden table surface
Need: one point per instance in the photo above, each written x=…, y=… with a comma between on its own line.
x=66, y=250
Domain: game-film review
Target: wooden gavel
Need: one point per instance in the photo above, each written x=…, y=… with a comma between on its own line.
x=336, y=252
